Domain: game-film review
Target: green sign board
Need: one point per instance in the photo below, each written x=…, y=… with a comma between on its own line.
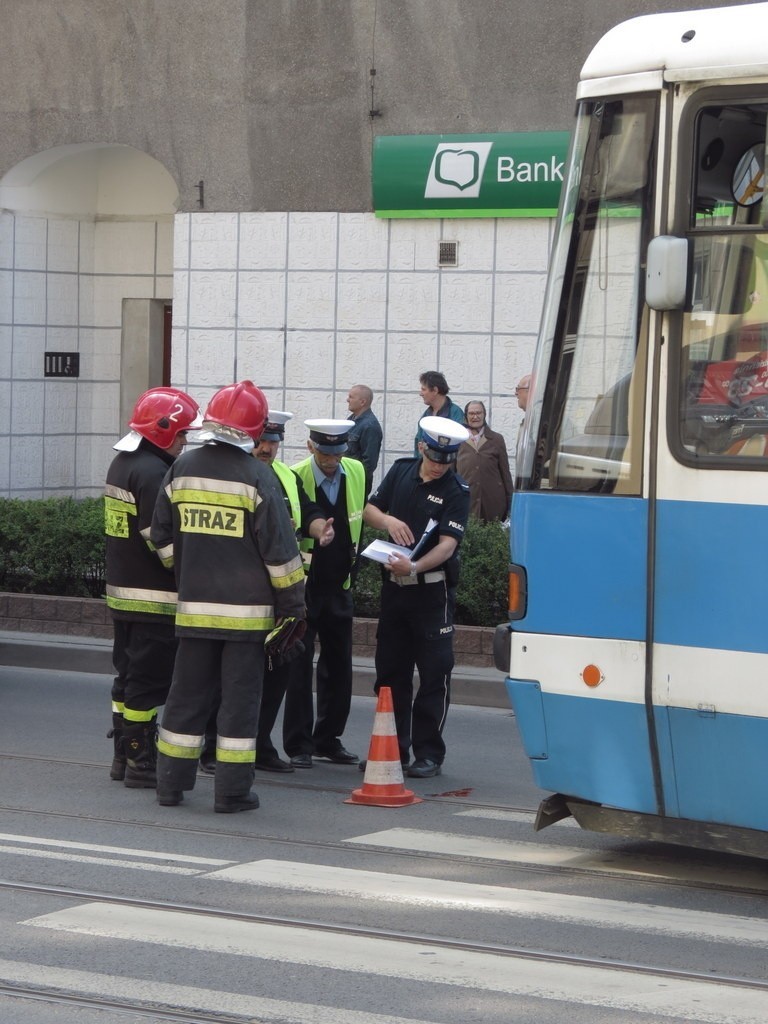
x=512, y=174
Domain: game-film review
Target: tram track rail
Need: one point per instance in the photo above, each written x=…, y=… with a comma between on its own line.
x=54, y=997
x=421, y=940
x=265, y=779
x=406, y=856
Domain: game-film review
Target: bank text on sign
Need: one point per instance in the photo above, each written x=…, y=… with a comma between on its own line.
x=512, y=174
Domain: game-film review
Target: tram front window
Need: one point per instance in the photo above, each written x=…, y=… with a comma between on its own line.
x=586, y=432
x=722, y=397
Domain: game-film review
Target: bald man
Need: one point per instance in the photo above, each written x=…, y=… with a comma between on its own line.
x=365, y=437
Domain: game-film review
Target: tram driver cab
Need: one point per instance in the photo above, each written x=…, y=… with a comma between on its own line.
x=714, y=273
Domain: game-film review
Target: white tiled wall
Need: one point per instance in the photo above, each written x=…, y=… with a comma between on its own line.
x=308, y=304
x=305, y=304
x=62, y=284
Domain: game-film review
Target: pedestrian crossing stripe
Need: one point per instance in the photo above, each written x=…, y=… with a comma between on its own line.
x=452, y=895
x=161, y=995
x=549, y=854
x=611, y=988
x=115, y=856
x=64, y=844
x=522, y=817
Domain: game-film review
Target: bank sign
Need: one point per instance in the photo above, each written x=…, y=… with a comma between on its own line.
x=512, y=174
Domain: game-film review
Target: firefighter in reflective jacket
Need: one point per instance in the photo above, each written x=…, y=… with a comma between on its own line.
x=308, y=521
x=221, y=520
x=141, y=593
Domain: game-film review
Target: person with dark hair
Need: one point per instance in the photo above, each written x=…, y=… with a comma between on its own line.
x=434, y=393
x=484, y=464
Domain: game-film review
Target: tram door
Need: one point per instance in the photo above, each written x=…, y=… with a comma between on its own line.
x=580, y=514
x=710, y=652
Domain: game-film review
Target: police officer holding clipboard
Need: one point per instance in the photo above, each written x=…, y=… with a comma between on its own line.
x=423, y=505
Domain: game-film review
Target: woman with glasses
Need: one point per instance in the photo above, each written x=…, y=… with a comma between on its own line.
x=484, y=464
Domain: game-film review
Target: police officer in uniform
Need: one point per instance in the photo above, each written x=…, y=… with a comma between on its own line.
x=337, y=484
x=141, y=593
x=423, y=505
x=221, y=519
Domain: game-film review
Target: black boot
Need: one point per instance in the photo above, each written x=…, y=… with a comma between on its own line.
x=233, y=804
x=140, y=755
x=117, y=771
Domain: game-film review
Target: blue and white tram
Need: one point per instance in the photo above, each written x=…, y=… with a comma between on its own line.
x=638, y=646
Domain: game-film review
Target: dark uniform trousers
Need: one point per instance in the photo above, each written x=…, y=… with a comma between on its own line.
x=329, y=619
x=143, y=654
x=416, y=631
x=205, y=668
x=276, y=682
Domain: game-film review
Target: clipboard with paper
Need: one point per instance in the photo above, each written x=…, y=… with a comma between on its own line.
x=380, y=550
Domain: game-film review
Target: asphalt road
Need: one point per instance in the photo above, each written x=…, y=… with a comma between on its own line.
x=316, y=911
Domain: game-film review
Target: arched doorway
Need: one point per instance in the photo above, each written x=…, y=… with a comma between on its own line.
x=86, y=274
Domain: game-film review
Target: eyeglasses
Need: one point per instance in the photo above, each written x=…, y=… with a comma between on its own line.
x=525, y=387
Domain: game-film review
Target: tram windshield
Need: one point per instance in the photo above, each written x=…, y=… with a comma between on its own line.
x=722, y=394
x=585, y=425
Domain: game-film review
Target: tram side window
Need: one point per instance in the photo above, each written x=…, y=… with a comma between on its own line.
x=598, y=375
x=723, y=392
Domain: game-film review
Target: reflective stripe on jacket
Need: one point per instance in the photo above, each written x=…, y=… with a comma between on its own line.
x=234, y=548
x=137, y=584
x=288, y=481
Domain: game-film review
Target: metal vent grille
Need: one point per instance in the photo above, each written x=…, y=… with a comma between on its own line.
x=447, y=254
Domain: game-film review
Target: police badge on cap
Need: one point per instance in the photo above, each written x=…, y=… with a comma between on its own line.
x=442, y=438
x=329, y=436
x=274, y=428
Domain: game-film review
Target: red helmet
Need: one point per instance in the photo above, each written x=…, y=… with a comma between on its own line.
x=242, y=406
x=161, y=413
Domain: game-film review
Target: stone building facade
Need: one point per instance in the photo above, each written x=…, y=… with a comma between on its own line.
x=185, y=197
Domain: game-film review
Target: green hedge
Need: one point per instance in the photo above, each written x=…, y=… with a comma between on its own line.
x=56, y=546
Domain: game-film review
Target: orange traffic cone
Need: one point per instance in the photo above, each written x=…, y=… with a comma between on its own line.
x=383, y=780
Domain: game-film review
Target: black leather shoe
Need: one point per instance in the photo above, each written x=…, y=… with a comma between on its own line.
x=207, y=765
x=170, y=797
x=273, y=763
x=423, y=769
x=233, y=804
x=302, y=761
x=363, y=764
x=337, y=756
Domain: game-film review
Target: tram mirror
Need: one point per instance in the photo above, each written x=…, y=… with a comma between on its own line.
x=666, y=272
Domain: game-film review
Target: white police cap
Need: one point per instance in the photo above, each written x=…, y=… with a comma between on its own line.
x=274, y=428
x=442, y=437
x=329, y=436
